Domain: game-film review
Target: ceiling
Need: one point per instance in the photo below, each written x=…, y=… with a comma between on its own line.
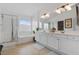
x=30, y=9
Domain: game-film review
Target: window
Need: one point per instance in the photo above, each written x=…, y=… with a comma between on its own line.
x=34, y=25
x=46, y=26
x=40, y=25
x=25, y=24
x=25, y=27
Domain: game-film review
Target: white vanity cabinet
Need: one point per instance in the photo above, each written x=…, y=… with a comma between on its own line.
x=69, y=45
x=53, y=41
x=66, y=43
x=42, y=38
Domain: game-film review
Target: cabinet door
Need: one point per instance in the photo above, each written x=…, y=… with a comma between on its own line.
x=53, y=41
x=69, y=45
x=43, y=38
x=37, y=36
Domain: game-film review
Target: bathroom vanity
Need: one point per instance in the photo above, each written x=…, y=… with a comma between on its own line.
x=62, y=43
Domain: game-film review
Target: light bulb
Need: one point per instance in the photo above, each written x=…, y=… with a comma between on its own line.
x=58, y=11
x=47, y=15
x=68, y=7
x=42, y=16
x=62, y=9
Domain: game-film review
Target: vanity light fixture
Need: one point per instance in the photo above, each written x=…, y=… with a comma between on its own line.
x=42, y=16
x=58, y=11
x=68, y=7
x=45, y=15
x=63, y=8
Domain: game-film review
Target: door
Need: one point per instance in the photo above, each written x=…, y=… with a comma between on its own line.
x=7, y=28
x=1, y=30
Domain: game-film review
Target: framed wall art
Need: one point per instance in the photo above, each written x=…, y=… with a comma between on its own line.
x=68, y=23
x=60, y=25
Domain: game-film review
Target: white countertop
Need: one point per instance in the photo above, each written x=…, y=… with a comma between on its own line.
x=65, y=33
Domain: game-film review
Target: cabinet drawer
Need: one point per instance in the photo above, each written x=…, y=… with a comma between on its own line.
x=71, y=37
x=76, y=38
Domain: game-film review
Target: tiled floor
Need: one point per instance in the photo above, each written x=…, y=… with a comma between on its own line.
x=28, y=49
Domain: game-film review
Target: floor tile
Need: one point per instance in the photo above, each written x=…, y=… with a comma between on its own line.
x=28, y=49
